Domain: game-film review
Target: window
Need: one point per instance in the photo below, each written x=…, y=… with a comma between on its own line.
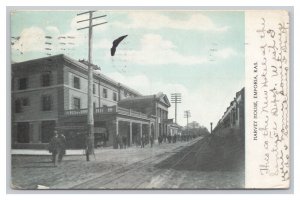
x=46, y=79
x=115, y=96
x=94, y=89
x=233, y=117
x=104, y=92
x=23, y=132
x=159, y=112
x=25, y=102
x=23, y=83
x=94, y=106
x=76, y=102
x=46, y=103
x=76, y=82
x=18, y=106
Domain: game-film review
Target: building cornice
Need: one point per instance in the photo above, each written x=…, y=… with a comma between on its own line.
x=83, y=67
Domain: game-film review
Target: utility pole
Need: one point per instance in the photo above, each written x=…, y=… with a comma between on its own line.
x=211, y=127
x=176, y=98
x=187, y=114
x=90, y=116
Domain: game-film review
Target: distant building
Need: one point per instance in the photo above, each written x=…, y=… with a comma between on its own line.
x=154, y=106
x=51, y=93
x=173, y=128
x=233, y=118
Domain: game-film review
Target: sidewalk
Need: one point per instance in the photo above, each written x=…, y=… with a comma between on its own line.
x=42, y=152
x=70, y=152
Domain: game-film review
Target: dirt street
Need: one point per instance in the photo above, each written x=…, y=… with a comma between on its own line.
x=166, y=166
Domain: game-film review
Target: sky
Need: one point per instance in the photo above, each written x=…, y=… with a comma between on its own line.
x=199, y=54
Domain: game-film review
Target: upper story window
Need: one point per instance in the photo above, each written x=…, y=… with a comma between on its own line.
x=25, y=102
x=104, y=93
x=94, y=89
x=76, y=103
x=46, y=79
x=76, y=82
x=46, y=102
x=115, y=96
x=23, y=83
x=18, y=106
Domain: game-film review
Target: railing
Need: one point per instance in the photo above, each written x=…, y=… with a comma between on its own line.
x=111, y=109
x=123, y=111
x=76, y=112
x=106, y=110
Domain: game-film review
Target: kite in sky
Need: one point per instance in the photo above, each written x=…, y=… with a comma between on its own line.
x=116, y=42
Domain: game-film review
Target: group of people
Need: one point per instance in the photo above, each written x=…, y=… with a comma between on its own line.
x=57, y=146
x=145, y=141
x=122, y=141
x=173, y=138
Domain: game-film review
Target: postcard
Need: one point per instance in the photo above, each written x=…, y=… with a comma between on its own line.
x=149, y=99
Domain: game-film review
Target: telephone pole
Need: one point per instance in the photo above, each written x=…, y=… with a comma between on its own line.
x=176, y=98
x=90, y=116
x=187, y=115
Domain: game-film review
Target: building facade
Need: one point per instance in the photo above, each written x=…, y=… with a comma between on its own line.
x=51, y=93
x=155, y=106
x=233, y=118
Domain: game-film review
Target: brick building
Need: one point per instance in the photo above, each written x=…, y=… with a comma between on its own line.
x=51, y=93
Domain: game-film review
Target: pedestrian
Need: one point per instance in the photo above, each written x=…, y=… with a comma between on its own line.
x=160, y=139
x=57, y=146
x=143, y=141
x=151, y=140
x=124, y=140
x=169, y=138
x=63, y=144
x=119, y=142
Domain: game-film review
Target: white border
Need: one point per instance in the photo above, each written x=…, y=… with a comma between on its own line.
x=117, y=3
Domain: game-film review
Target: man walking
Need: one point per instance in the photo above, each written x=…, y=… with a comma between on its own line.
x=151, y=140
x=57, y=147
x=62, y=144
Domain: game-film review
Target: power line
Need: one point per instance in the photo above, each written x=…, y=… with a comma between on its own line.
x=176, y=98
x=187, y=115
x=90, y=116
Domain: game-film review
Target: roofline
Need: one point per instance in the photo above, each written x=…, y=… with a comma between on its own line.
x=37, y=59
x=84, y=67
x=142, y=97
x=147, y=97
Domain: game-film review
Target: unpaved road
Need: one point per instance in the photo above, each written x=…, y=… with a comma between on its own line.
x=193, y=165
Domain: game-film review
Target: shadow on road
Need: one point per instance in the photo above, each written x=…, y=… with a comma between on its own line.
x=222, y=154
